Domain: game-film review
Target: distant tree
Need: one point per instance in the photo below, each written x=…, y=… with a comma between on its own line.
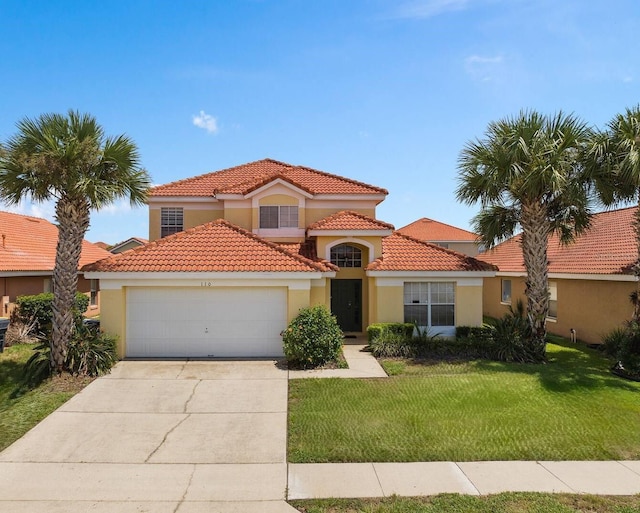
x=528, y=172
x=70, y=160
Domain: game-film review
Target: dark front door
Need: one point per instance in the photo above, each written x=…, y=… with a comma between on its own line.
x=346, y=303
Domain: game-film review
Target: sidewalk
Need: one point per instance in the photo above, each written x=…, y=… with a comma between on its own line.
x=354, y=480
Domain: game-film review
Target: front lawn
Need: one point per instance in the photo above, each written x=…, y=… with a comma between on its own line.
x=20, y=412
x=504, y=502
x=571, y=408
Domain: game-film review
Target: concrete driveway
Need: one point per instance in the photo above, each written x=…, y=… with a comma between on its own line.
x=176, y=436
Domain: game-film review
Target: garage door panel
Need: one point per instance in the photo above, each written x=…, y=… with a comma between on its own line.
x=219, y=322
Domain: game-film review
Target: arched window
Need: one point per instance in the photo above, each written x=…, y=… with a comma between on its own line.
x=346, y=255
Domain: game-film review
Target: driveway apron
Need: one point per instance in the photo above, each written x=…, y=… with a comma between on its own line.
x=174, y=436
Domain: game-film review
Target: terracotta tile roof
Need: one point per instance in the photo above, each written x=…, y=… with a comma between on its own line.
x=608, y=247
x=430, y=230
x=29, y=244
x=218, y=246
x=102, y=245
x=246, y=178
x=349, y=220
x=307, y=249
x=403, y=253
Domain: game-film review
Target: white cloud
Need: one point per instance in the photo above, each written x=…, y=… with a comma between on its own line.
x=45, y=210
x=430, y=8
x=206, y=122
x=483, y=68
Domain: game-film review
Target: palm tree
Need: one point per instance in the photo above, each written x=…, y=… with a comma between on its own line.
x=70, y=160
x=527, y=173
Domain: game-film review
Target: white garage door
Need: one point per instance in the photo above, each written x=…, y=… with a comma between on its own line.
x=205, y=322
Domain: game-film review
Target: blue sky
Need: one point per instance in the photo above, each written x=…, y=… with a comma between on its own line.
x=386, y=92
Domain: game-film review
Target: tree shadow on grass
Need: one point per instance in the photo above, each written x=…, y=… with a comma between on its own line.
x=569, y=367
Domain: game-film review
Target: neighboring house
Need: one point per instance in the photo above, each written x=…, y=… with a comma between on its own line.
x=443, y=235
x=235, y=254
x=102, y=245
x=126, y=245
x=27, y=258
x=589, y=280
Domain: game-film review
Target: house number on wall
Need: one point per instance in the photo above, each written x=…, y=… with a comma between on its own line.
x=205, y=284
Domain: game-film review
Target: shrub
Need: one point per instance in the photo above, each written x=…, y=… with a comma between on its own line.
x=624, y=345
x=392, y=345
x=313, y=338
x=90, y=353
x=38, y=309
x=613, y=341
x=399, y=328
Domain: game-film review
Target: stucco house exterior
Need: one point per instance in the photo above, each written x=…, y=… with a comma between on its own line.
x=27, y=257
x=235, y=254
x=590, y=280
x=442, y=234
x=126, y=245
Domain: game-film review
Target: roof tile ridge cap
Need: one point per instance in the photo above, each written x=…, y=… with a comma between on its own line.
x=325, y=220
x=260, y=181
x=435, y=246
x=365, y=217
x=451, y=226
x=25, y=216
x=344, y=178
x=203, y=175
x=269, y=244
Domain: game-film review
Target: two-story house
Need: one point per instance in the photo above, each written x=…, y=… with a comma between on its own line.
x=235, y=254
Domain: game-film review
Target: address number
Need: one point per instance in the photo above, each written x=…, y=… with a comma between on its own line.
x=205, y=284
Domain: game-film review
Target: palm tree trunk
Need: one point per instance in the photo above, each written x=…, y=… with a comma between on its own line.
x=636, y=267
x=534, y=250
x=72, y=215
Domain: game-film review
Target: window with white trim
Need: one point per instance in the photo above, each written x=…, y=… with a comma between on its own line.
x=505, y=294
x=553, y=300
x=346, y=255
x=279, y=216
x=93, y=298
x=171, y=220
x=429, y=304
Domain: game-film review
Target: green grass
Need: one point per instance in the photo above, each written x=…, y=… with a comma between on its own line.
x=571, y=408
x=20, y=412
x=501, y=503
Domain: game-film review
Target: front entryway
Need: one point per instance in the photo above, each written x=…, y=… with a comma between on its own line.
x=346, y=304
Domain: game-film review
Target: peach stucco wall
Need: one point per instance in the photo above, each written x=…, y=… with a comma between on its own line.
x=591, y=307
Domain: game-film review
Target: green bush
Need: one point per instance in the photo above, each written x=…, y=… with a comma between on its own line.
x=90, y=353
x=399, y=328
x=392, y=345
x=624, y=345
x=313, y=338
x=38, y=310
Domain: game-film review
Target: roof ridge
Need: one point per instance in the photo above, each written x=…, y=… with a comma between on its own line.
x=344, y=179
x=438, y=222
x=440, y=248
x=34, y=218
x=337, y=215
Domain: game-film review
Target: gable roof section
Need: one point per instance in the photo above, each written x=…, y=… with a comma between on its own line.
x=246, y=178
x=608, y=247
x=218, y=246
x=29, y=244
x=349, y=220
x=403, y=253
x=430, y=230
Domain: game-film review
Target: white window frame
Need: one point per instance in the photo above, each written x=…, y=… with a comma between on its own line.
x=171, y=221
x=553, y=301
x=350, y=257
x=425, y=294
x=93, y=295
x=504, y=298
x=287, y=216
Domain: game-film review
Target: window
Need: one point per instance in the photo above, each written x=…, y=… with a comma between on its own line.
x=345, y=255
x=429, y=304
x=279, y=217
x=171, y=220
x=93, y=300
x=553, y=300
x=506, y=291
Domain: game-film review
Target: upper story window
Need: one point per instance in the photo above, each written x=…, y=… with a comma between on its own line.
x=171, y=220
x=346, y=255
x=274, y=216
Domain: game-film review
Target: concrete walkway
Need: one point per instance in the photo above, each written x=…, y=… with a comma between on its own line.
x=170, y=436
x=361, y=363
